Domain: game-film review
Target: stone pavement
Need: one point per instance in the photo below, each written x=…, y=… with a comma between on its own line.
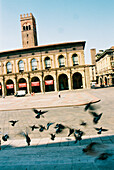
x=47, y=100
x=62, y=153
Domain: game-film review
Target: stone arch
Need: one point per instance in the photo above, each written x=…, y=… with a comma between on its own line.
x=35, y=85
x=9, y=87
x=49, y=83
x=22, y=84
x=101, y=81
x=63, y=82
x=77, y=80
x=106, y=83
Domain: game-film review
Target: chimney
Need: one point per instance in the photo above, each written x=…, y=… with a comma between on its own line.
x=93, y=53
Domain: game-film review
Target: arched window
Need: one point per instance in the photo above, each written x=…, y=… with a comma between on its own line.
x=26, y=27
x=23, y=28
x=47, y=62
x=34, y=64
x=9, y=67
x=29, y=27
x=75, y=59
x=61, y=61
x=21, y=66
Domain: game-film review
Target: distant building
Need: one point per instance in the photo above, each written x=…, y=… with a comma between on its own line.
x=44, y=68
x=104, y=61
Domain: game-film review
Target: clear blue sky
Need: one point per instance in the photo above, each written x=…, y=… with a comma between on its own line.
x=60, y=21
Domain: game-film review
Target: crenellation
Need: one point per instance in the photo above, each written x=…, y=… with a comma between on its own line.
x=25, y=16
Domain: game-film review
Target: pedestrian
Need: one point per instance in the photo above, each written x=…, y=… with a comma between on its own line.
x=59, y=94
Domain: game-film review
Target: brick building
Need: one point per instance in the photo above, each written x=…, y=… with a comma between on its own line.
x=43, y=68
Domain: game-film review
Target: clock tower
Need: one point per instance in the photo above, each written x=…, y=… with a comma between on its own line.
x=28, y=30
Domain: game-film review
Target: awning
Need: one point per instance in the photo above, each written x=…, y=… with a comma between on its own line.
x=35, y=83
x=22, y=85
x=49, y=82
x=9, y=86
x=0, y=87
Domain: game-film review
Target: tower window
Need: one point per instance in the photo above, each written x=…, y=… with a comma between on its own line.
x=26, y=27
x=29, y=27
x=27, y=42
x=27, y=35
x=23, y=28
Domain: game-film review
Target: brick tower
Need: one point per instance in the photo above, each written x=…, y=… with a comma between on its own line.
x=28, y=30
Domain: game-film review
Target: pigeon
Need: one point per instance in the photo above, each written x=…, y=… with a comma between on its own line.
x=52, y=136
x=36, y=111
x=87, y=106
x=28, y=140
x=96, y=117
x=89, y=147
x=25, y=134
x=71, y=131
x=39, y=113
x=13, y=122
x=41, y=129
x=59, y=128
x=79, y=132
x=34, y=127
x=5, y=137
x=100, y=130
x=83, y=123
x=49, y=124
x=77, y=137
x=104, y=156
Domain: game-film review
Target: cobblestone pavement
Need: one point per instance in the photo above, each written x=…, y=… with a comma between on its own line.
x=62, y=153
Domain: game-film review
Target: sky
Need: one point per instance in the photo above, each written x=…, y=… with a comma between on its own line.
x=60, y=21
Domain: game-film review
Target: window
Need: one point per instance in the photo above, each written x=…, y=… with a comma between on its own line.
x=29, y=27
x=26, y=27
x=34, y=64
x=23, y=28
x=21, y=66
x=75, y=59
x=61, y=61
x=9, y=67
x=47, y=62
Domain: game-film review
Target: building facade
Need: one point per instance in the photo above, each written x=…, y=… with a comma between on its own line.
x=43, y=68
x=105, y=67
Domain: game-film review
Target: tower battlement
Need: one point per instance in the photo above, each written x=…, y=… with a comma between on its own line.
x=26, y=16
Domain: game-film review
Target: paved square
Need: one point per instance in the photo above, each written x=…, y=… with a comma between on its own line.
x=70, y=116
